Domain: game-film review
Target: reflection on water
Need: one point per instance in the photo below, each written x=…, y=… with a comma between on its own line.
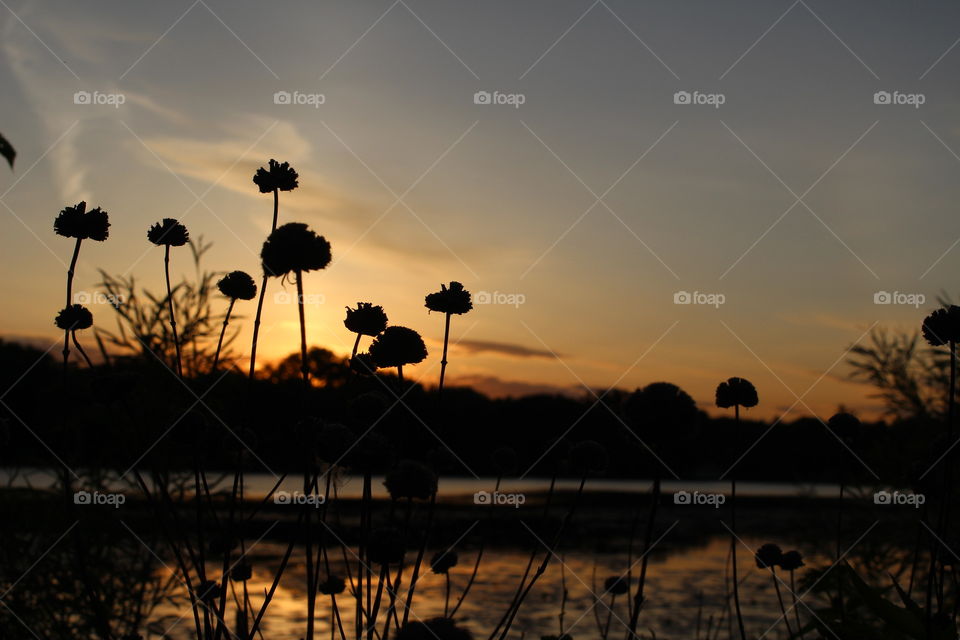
x=684, y=589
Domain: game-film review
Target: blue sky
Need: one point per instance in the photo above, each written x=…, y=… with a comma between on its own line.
x=595, y=201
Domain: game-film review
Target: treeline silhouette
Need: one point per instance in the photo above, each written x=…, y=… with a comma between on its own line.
x=134, y=405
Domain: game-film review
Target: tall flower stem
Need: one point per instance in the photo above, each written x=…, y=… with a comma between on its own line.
x=796, y=609
x=173, y=319
x=86, y=358
x=70, y=273
x=304, y=369
x=783, y=609
x=647, y=542
x=443, y=360
x=226, y=321
x=733, y=536
x=263, y=293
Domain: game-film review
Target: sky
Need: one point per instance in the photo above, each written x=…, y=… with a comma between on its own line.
x=581, y=166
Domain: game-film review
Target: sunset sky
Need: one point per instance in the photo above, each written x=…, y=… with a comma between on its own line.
x=593, y=202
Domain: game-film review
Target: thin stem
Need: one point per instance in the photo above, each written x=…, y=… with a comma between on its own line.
x=304, y=369
x=400, y=374
x=443, y=360
x=173, y=319
x=733, y=536
x=796, y=609
x=647, y=542
x=73, y=334
x=66, y=334
x=356, y=346
x=263, y=294
x=783, y=610
x=226, y=321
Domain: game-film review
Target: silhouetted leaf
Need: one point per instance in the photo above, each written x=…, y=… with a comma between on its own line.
x=7, y=150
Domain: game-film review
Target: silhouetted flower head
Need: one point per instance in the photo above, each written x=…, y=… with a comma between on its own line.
x=769, y=555
x=736, y=391
x=456, y=299
x=589, y=457
x=443, y=561
x=168, y=232
x=398, y=346
x=77, y=222
x=791, y=560
x=208, y=590
x=332, y=586
x=434, y=629
x=363, y=364
x=280, y=176
x=411, y=479
x=504, y=460
x=238, y=285
x=294, y=247
x=241, y=571
x=74, y=318
x=367, y=319
x=617, y=585
x=385, y=546
x=942, y=326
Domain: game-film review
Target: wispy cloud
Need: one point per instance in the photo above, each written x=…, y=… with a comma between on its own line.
x=503, y=348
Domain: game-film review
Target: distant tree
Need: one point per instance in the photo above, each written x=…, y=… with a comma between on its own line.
x=326, y=369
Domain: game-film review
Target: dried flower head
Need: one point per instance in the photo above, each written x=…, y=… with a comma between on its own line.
x=74, y=318
x=279, y=176
x=456, y=299
x=791, y=560
x=617, y=585
x=367, y=319
x=77, y=222
x=385, y=546
x=168, y=232
x=237, y=285
x=208, y=591
x=332, y=586
x=769, y=555
x=241, y=572
x=398, y=346
x=443, y=561
x=294, y=247
x=736, y=391
x=363, y=364
x=942, y=326
x=434, y=629
x=411, y=479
